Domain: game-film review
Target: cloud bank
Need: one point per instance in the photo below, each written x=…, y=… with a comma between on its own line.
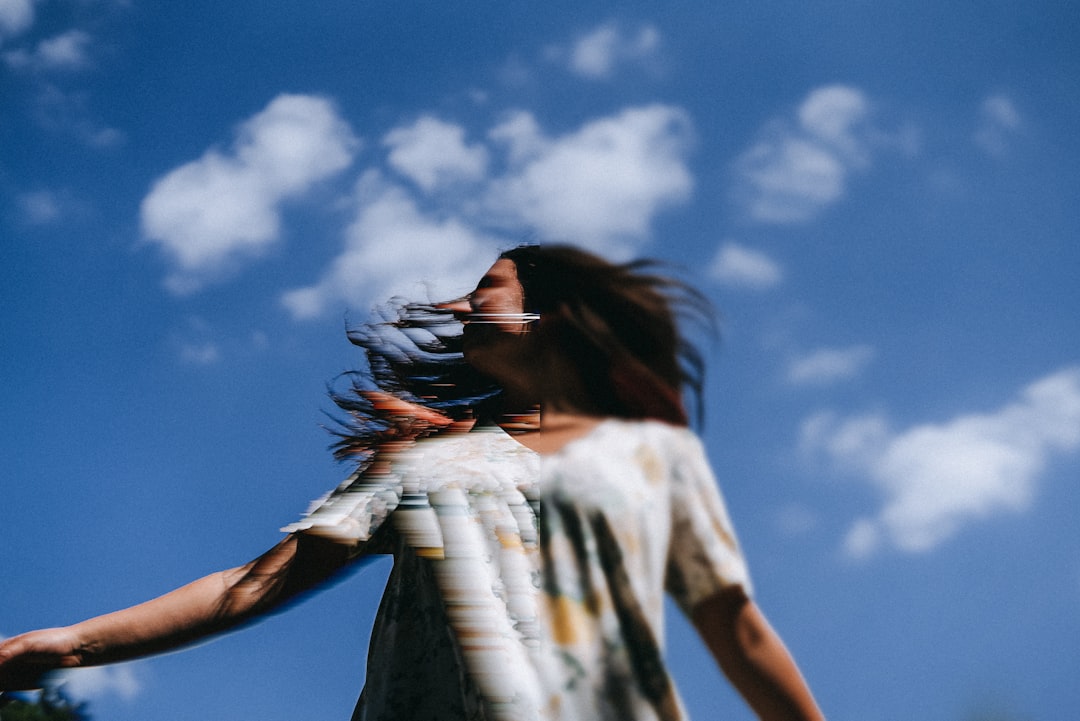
x=430, y=208
x=442, y=206
x=938, y=478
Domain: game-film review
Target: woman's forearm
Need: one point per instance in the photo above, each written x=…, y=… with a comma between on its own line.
x=166, y=622
x=754, y=659
x=213, y=604
x=187, y=614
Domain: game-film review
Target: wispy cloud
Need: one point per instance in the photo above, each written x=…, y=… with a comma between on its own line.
x=827, y=365
x=39, y=207
x=16, y=16
x=800, y=165
x=204, y=353
x=67, y=51
x=741, y=267
x=597, y=54
x=46, y=66
x=938, y=478
x=208, y=214
x=46, y=206
x=66, y=111
x=194, y=342
x=999, y=121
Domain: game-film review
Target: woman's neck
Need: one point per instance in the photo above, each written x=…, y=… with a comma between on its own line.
x=565, y=411
x=547, y=430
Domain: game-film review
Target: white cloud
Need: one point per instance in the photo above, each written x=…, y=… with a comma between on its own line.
x=432, y=152
x=15, y=17
x=790, y=180
x=209, y=213
x=596, y=54
x=937, y=478
x=390, y=248
x=833, y=116
x=599, y=186
x=801, y=165
x=738, y=266
x=826, y=365
x=999, y=121
x=68, y=51
x=98, y=681
x=520, y=136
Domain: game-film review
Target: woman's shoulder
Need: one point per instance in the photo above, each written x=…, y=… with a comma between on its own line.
x=480, y=458
x=465, y=440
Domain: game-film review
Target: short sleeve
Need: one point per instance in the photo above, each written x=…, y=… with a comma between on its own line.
x=353, y=512
x=704, y=557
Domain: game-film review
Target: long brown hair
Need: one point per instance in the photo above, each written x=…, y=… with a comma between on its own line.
x=619, y=325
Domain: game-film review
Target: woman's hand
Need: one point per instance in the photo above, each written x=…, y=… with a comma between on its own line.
x=25, y=659
x=392, y=406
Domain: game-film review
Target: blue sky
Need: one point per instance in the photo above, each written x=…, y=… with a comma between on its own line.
x=880, y=199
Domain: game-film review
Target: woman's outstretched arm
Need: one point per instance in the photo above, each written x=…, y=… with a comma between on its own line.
x=210, y=605
x=754, y=658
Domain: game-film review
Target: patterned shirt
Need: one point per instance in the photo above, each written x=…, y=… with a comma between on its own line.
x=495, y=610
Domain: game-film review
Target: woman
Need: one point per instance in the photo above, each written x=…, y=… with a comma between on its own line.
x=494, y=609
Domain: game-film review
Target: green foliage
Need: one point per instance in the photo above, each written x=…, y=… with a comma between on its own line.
x=50, y=706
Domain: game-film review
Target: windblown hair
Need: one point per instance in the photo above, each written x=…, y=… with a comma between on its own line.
x=617, y=323
x=413, y=353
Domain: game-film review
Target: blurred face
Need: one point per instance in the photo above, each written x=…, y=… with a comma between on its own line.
x=495, y=330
